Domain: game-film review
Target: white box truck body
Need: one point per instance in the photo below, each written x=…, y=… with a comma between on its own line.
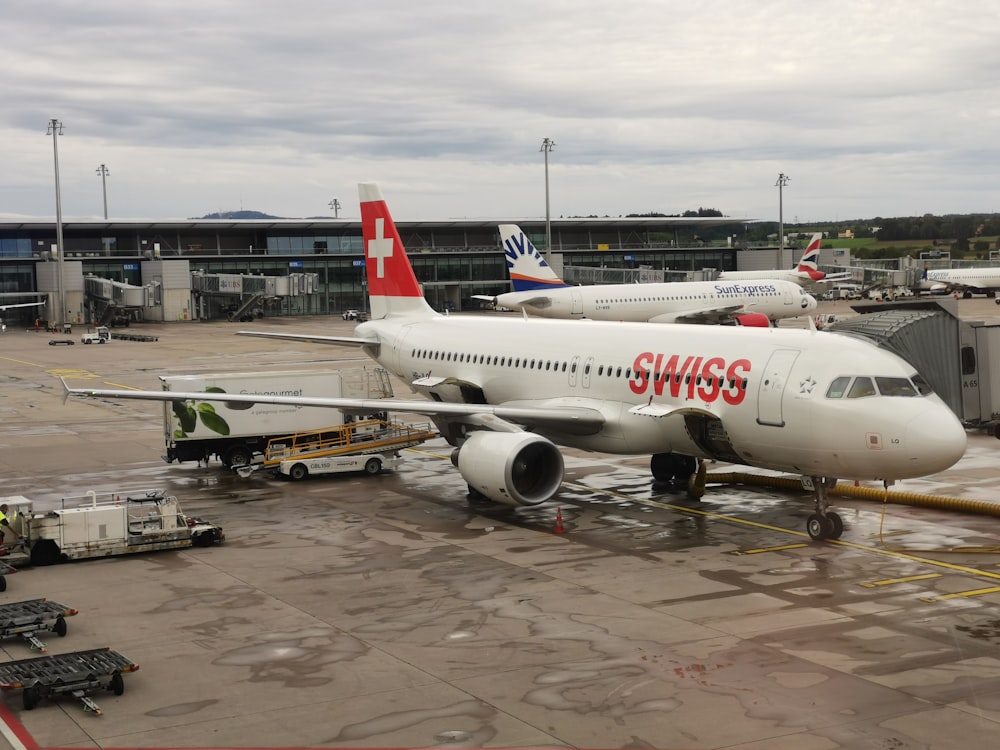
x=236, y=432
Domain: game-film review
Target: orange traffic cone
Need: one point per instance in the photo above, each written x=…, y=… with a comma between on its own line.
x=559, y=529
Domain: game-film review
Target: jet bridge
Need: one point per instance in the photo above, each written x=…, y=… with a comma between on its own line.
x=245, y=296
x=959, y=359
x=110, y=302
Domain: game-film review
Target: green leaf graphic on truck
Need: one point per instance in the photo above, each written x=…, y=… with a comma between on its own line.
x=190, y=413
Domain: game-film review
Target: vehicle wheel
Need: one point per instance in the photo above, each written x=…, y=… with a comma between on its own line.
x=45, y=552
x=373, y=466
x=3, y=583
x=87, y=341
x=819, y=527
x=60, y=627
x=117, y=684
x=661, y=465
x=837, y=524
x=30, y=696
x=239, y=455
x=298, y=472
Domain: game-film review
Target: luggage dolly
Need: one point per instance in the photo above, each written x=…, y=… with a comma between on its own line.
x=77, y=673
x=27, y=618
x=5, y=570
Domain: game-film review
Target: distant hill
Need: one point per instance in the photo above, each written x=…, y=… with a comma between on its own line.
x=239, y=215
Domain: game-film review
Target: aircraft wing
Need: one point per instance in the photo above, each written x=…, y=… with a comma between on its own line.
x=704, y=315
x=317, y=338
x=576, y=419
x=21, y=304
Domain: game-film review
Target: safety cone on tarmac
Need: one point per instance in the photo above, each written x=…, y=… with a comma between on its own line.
x=559, y=529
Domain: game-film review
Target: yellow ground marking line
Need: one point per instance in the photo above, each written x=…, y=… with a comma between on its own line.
x=960, y=595
x=800, y=545
x=893, y=581
x=21, y=361
x=838, y=542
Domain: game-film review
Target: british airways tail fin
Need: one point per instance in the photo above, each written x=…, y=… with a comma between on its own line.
x=392, y=285
x=528, y=270
x=810, y=258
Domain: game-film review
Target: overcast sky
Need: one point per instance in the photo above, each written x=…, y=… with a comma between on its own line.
x=886, y=108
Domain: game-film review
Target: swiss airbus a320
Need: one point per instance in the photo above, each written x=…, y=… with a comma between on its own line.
x=505, y=392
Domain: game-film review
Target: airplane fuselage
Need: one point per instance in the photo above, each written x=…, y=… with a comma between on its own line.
x=770, y=388
x=974, y=279
x=664, y=302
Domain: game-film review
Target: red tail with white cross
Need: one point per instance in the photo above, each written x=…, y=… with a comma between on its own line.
x=392, y=285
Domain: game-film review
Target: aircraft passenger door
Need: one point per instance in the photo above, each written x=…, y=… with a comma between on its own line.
x=577, y=301
x=772, y=387
x=788, y=297
x=574, y=365
x=588, y=365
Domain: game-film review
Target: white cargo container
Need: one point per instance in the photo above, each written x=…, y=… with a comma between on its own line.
x=236, y=432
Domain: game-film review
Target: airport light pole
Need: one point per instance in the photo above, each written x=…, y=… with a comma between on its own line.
x=103, y=172
x=782, y=181
x=547, y=145
x=335, y=205
x=55, y=130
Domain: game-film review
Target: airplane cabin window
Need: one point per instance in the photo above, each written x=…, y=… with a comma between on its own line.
x=861, y=388
x=837, y=387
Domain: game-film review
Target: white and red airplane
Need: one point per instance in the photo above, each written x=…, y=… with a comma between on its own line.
x=540, y=292
x=806, y=274
x=506, y=391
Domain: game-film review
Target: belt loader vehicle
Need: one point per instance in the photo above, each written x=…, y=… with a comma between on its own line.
x=101, y=525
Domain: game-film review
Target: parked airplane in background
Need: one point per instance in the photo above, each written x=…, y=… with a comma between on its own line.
x=505, y=391
x=806, y=274
x=969, y=281
x=540, y=292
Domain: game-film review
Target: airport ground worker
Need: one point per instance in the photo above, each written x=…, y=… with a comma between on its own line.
x=5, y=525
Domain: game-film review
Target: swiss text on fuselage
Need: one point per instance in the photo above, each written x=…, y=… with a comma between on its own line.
x=690, y=377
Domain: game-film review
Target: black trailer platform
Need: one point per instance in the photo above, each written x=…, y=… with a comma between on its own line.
x=78, y=673
x=5, y=570
x=29, y=617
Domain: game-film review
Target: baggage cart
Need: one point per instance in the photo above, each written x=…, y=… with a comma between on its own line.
x=27, y=618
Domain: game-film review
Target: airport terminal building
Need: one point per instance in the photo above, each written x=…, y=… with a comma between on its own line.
x=202, y=269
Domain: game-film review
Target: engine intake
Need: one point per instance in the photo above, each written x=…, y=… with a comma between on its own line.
x=513, y=468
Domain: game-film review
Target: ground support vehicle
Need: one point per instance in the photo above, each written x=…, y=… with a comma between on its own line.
x=100, y=335
x=238, y=432
x=369, y=445
x=77, y=673
x=105, y=524
x=28, y=618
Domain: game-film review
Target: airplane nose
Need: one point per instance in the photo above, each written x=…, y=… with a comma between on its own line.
x=935, y=440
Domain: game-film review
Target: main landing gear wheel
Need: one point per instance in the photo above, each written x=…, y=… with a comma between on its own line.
x=824, y=523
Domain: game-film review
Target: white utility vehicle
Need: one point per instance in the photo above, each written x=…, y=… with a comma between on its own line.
x=100, y=335
x=100, y=525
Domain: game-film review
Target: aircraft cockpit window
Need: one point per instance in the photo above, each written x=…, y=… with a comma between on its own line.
x=861, y=388
x=921, y=385
x=837, y=387
x=895, y=387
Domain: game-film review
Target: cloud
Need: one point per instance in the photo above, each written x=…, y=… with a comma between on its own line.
x=872, y=109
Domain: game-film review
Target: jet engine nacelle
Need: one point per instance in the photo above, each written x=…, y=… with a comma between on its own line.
x=513, y=468
x=753, y=320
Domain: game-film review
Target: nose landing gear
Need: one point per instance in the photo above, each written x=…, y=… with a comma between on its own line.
x=824, y=523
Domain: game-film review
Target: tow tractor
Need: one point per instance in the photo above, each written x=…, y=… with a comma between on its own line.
x=100, y=335
x=103, y=524
x=370, y=446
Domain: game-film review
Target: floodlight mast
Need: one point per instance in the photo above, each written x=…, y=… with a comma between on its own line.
x=782, y=181
x=547, y=145
x=335, y=205
x=103, y=172
x=55, y=130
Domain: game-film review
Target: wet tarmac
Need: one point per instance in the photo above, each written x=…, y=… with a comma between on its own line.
x=355, y=611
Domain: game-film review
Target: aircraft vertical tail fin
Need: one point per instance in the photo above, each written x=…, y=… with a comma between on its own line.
x=528, y=269
x=392, y=285
x=809, y=263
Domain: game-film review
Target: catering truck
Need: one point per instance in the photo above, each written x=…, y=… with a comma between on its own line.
x=237, y=432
